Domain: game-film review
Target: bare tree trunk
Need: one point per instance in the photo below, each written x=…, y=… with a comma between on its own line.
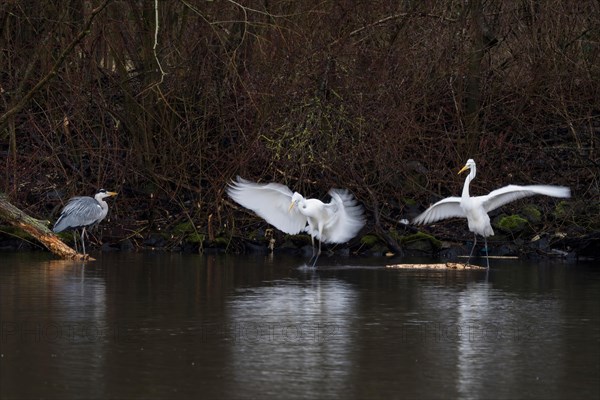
x=473, y=78
x=35, y=228
x=482, y=40
x=22, y=102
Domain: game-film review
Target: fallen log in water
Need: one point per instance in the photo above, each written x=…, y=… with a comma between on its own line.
x=448, y=266
x=38, y=230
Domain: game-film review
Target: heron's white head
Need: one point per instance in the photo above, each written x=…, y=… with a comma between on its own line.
x=296, y=198
x=104, y=193
x=469, y=165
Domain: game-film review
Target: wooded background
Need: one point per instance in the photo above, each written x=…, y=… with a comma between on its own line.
x=166, y=101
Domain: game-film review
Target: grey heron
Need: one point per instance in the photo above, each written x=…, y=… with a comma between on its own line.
x=475, y=209
x=335, y=222
x=83, y=212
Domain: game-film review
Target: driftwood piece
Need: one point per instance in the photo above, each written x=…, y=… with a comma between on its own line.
x=38, y=230
x=441, y=266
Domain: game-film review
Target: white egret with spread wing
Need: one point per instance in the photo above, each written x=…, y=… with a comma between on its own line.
x=335, y=222
x=475, y=209
x=83, y=212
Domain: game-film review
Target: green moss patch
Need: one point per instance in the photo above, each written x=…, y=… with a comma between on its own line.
x=532, y=213
x=409, y=202
x=512, y=223
x=562, y=210
x=183, y=228
x=369, y=241
x=196, y=238
x=220, y=242
x=420, y=241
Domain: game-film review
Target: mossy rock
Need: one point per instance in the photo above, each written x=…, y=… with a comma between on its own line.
x=261, y=234
x=220, y=241
x=369, y=241
x=409, y=202
x=532, y=213
x=183, y=228
x=395, y=235
x=298, y=240
x=378, y=249
x=512, y=223
x=420, y=241
x=195, y=238
x=157, y=239
x=287, y=244
x=256, y=234
x=562, y=210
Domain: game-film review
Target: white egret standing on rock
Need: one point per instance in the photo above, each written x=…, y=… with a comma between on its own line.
x=475, y=209
x=83, y=212
x=335, y=222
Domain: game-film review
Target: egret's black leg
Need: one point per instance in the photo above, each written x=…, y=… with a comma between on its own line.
x=317, y=256
x=319, y=252
x=487, y=255
x=315, y=262
x=314, y=251
x=472, y=248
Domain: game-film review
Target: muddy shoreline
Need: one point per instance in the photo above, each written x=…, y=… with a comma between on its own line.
x=538, y=246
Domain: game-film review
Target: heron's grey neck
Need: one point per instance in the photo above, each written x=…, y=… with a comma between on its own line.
x=101, y=201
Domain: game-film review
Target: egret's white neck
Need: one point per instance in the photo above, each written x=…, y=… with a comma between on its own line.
x=468, y=179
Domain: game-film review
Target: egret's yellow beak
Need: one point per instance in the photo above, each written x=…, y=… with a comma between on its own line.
x=291, y=206
x=112, y=193
x=466, y=167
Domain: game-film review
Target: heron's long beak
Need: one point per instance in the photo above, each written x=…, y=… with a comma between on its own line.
x=112, y=193
x=466, y=167
x=291, y=206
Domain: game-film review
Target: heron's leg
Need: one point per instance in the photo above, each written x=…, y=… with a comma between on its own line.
x=472, y=248
x=487, y=255
x=75, y=240
x=83, y=240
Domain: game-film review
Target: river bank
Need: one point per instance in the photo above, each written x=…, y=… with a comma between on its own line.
x=450, y=240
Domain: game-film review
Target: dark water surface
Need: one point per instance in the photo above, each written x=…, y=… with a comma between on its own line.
x=190, y=326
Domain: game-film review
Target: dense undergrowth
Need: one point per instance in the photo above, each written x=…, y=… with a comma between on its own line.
x=387, y=99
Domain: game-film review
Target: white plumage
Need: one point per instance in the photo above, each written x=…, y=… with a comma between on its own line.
x=335, y=222
x=475, y=209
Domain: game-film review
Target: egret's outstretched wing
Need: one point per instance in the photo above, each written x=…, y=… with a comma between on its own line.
x=271, y=201
x=502, y=196
x=79, y=212
x=344, y=218
x=443, y=209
